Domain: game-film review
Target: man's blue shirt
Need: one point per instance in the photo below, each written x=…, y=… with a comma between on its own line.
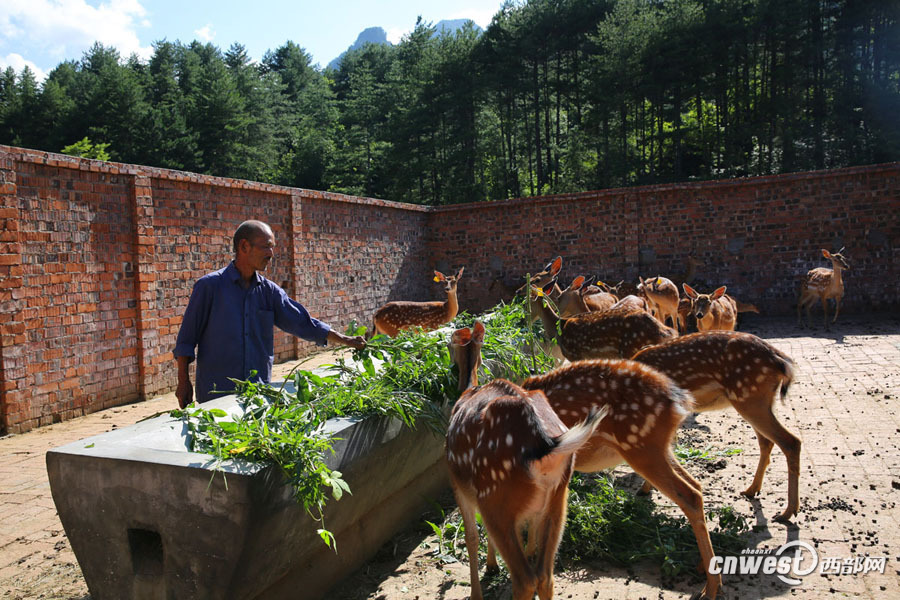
x=232, y=329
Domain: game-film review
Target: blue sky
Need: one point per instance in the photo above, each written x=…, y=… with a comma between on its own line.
x=43, y=33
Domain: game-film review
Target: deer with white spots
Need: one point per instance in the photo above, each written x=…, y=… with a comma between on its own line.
x=729, y=368
x=823, y=284
x=712, y=311
x=645, y=409
x=631, y=302
x=662, y=296
x=510, y=459
x=393, y=317
x=604, y=334
x=579, y=298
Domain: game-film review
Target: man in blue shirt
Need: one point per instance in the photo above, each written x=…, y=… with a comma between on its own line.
x=230, y=318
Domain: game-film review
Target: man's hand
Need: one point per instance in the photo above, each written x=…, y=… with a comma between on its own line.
x=185, y=393
x=356, y=342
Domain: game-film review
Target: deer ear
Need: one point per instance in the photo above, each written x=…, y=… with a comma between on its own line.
x=719, y=293
x=459, y=275
x=549, y=287
x=478, y=333
x=578, y=282
x=691, y=293
x=555, y=265
x=438, y=276
x=461, y=337
x=826, y=253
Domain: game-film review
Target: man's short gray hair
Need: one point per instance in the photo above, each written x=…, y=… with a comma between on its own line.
x=249, y=230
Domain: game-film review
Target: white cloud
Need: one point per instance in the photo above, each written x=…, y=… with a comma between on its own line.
x=205, y=33
x=18, y=62
x=64, y=28
x=481, y=16
x=395, y=34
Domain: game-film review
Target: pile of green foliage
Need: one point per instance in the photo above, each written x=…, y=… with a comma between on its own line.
x=611, y=523
x=409, y=378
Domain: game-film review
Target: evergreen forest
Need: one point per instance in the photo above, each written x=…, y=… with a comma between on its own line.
x=554, y=96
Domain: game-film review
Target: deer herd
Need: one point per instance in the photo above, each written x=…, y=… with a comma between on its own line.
x=628, y=375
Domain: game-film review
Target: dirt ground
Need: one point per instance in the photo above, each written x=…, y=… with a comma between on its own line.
x=843, y=405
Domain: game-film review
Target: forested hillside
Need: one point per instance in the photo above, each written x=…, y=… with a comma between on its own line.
x=555, y=96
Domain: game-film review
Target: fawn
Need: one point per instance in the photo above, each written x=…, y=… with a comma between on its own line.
x=604, y=334
x=712, y=311
x=822, y=284
x=510, y=459
x=662, y=296
x=579, y=298
x=729, y=368
x=393, y=317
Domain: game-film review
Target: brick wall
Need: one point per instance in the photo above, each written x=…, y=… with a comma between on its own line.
x=97, y=262
x=97, y=259
x=758, y=236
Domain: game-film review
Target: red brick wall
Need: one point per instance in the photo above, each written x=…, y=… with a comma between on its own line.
x=355, y=255
x=76, y=293
x=97, y=262
x=97, y=259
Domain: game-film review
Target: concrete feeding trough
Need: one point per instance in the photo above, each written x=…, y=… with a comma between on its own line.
x=148, y=519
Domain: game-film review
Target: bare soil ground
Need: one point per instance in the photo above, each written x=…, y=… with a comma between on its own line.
x=843, y=405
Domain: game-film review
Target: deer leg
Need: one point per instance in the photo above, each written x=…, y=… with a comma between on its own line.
x=825, y=311
x=548, y=540
x=645, y=489
x=499, y=522
x=662, y=474
x=765, y=452
x=467, y=510
x=767, y=425
x=683, y=473
x=837, y=308
x=490, y=563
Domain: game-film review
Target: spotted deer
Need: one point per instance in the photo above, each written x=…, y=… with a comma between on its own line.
x=730, y=368
x=510, y=459
x=624, y=288
x=823, y=284
x=684, y=313
x=662, y=296
x=712, y=311
x=605, y=334
x=579, y=298
x=645, y=409
x=631, y=302
x=393, y=317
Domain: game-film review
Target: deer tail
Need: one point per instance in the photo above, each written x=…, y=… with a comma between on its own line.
x=575, y=438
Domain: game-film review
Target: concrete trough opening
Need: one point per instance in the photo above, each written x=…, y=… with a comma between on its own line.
x=146, y=552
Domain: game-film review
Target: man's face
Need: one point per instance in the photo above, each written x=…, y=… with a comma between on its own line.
x=262, y=251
